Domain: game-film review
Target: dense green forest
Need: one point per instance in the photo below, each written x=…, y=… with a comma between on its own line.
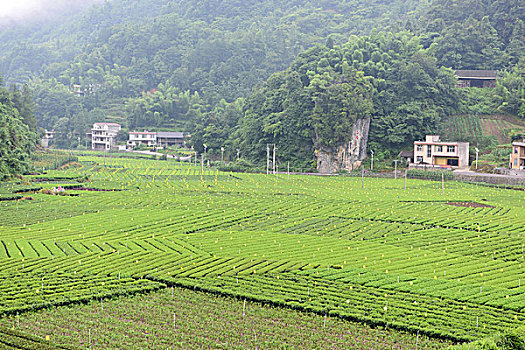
x=17, y=130
x=206, y=67
x=316, y=101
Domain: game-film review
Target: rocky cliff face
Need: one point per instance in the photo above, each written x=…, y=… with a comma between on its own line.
x=347, y=156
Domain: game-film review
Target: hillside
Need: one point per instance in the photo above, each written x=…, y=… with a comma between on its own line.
x=477, y=129
x=191, y=64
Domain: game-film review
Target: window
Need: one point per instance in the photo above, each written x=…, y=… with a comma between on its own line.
x=515, y=150
x=439, y=148
x=419, y=148
x=515, y=161
x=429, y=151
x=451, y=149
x=419, y=159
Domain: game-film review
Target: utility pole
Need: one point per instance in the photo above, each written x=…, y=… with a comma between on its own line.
x=288, y=171
x=477, y=151
x=202, y=163
x=372, y=163
x=222, y=154
x=267, y=159
x=274, y=158
x=395, y=168
x=238, y=153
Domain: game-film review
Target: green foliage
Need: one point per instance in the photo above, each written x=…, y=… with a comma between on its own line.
x=164, y=106
x=214, y=128
x=435, y=175
x=313, y=104
x=474, y=34
x=240, y=165
x=513, y=339
x=16, y=339
x=17, y=139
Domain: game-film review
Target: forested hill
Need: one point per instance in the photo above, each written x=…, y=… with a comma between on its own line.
x=220, y=49
x=190, y=64
x=169, y=31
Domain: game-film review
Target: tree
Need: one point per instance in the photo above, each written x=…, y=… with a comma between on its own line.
x=17, y=140
x=23, y=102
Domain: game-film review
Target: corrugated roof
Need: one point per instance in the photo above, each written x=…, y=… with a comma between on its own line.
x=476, y=74
x=170, y=134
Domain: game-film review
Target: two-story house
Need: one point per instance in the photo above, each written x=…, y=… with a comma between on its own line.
x=156, y=139
x=146, y=138
x=445, y=154
x=517, y=155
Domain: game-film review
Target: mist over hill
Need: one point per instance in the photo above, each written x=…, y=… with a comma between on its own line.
x=31, y=12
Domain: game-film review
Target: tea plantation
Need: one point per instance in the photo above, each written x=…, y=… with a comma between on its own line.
x=445, y=264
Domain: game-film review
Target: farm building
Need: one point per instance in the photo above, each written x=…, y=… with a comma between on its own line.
x=146, y=138
x=408, y=156
x=517, y=155
x=476, y=78
x=154, y=139
x=104, y=136
x=168, y=138
x=434, y=152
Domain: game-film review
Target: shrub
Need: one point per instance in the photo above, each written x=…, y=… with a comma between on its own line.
x=240, y=165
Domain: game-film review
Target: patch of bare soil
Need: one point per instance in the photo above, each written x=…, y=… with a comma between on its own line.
x=469, y=204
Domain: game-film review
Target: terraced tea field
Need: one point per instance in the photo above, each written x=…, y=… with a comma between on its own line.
x=475, y=127
x=414, y=260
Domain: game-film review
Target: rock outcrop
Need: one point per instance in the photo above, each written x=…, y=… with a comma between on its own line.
x=347, y=156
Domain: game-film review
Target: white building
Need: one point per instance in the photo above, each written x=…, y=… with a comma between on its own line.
x=104, y=135
x=156, y=139
x=146, y=138
x=435, y=152
x=48, y=135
